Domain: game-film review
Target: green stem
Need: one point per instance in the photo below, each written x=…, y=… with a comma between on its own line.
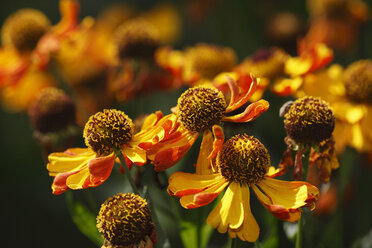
x=233, y=243
x=299, y=233
x=257, y=244
x=127, y=173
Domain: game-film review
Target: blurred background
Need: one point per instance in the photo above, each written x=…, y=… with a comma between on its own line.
x=34, y=217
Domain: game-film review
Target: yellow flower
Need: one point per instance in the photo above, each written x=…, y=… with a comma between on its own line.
x=349, y=95
x=79, y=168
x=202, y=110
x=242, y=163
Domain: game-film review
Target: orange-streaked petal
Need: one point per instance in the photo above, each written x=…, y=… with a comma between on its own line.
x=250, y=230
x=181, y=183
x=229, y=213
x=135, y=155
x=100, y=169
x=219, y=138
x=297, y=66
x=250, y=113
x=166, y=154
x=203, y=164
x=234, y=90
x=284, y=199
x=204, y=197
x=241, y=100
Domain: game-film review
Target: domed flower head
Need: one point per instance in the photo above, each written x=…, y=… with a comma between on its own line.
x=349, y=93
x=242, y=164
x=309, y=123
x=125, y=221
x=202, y=110
x=105, y=132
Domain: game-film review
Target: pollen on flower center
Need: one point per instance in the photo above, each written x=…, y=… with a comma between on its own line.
x=125, y=219
x=309, y=120
x=108, y=130
x=243, y=159
x=200, y=108
x=358, y=81
x=23, y=29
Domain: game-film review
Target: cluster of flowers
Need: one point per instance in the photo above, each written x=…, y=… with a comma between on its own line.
x=121, y=55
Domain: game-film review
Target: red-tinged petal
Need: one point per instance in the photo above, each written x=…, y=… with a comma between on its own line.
x=166, y=154
x=182, y=184
x=69, y=12
x=135, y=155
x=287, y=86
x=12, y=67
x=100, y=168
x=322, y=56
x=59, y=184
x=202, y=198
x=234, y=90
x=274, y=172
x=250, y=113
x=246, y=95
x=219, y=138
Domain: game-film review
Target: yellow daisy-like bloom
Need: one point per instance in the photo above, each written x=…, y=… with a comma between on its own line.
x=125, y=221
x=349, y=93
x=202, y=110
x=242, y=163
x=79, y=168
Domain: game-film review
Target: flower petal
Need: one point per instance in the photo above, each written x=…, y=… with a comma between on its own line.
x=250, y=113
x=135, y=155
x=219, y=138
x=286, y=86
x=284, y=199
x=100, y=169
x=203, y=164
x=181, y=184
x=250, y=230
x=229, y=213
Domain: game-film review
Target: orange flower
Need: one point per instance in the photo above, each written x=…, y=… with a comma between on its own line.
x=242, y=163
x=79, y=168
x=201, y=110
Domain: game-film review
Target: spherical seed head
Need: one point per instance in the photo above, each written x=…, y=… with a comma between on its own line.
x=108, y=130
x=23, y=29
x=358, y=81
x=200, y=108
x=136, y=39
x=210, y=60
x=268, y=62
x=309, y=120
x=243, y=159
x=52, y=111
x=125, y=219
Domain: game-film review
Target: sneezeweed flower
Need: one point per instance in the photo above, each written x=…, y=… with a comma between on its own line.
x=202, y=110
x=309, y=123
x=241, y=164
x=197, y=63
x=53, y=117
x=348, y=92
x=125, y=222
x=105, y=132
x=312, y=57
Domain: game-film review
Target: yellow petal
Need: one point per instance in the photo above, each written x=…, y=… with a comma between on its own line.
x=77, y=181
x=136, y=155
x=229, y=213
x=203, y=164
x=250, y=230
x=70, y=160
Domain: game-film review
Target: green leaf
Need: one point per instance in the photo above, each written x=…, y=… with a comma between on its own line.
x=83, y=219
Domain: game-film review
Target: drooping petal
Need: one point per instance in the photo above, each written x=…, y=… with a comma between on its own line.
x=284, y=199
x=168, y=152
x=182, y=184
x=246, y=95
x=72, y=159
x=203, y=164
x=219, y=138
x=135, y=155
x=249, y=230
x=229, y=213
x=251, y=112
x=100, y=169
x=204, y=197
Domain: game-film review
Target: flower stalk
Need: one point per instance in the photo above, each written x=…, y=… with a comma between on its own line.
x=127, y=173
